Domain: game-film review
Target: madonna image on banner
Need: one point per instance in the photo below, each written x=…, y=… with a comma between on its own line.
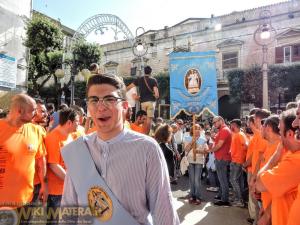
x=192, y=81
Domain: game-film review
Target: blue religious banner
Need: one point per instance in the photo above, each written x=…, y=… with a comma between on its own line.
x=193, y=83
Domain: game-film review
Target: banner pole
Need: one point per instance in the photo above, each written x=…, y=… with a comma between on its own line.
x=194, y=136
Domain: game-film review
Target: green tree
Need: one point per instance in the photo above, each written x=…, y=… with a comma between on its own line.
x=246, y=85
x=86, y=53
x=44, y=39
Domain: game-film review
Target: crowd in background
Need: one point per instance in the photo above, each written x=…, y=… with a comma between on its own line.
x=257, y=159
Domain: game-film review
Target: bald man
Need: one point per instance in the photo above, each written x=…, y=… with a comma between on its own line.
x=223, y=159
x=21, y=146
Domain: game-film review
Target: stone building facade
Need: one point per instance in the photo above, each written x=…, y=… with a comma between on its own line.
x=13, y=54
x=234, y=42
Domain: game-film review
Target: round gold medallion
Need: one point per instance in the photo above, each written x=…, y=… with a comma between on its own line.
x=100, y=204
x=8, y=216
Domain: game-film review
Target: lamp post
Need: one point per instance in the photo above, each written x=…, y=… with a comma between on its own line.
x=263, y=36
x=72, y=80
x=139, y=49
x=59, y=73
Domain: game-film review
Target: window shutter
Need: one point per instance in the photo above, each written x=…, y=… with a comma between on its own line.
x=279, y=55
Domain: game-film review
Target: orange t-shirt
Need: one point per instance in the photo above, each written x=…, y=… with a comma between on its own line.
x=269, y=151
x=238, y=148
x=281, y=182
x=259, y=146
x=294, y=218
x=36, y=179
x=137, y=128
x=54, y=141
x=19, y=147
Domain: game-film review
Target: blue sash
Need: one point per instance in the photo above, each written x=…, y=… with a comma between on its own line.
x=91, y=188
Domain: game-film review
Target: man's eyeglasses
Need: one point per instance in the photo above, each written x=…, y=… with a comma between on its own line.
x=108, y=101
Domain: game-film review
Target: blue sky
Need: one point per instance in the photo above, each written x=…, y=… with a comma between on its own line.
x=154, y=14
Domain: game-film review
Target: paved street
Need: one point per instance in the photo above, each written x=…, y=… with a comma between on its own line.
x=206, y=213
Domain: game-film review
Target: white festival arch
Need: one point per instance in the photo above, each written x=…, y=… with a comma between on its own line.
x=100, y=23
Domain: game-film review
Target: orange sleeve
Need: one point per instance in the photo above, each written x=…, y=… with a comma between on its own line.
x=53, y=148
x=284, y=177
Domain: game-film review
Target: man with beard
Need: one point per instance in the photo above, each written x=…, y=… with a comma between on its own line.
x=41, y=114
x=223, y=159
x=21, y=146
x=40, y=119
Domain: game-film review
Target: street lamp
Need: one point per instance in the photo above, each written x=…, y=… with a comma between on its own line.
x=263, y=36
x=72, y=80
x=139, y=49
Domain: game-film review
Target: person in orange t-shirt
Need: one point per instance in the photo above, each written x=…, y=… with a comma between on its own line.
x=141, y=123
x=294, y=218
x=55, y=140
x=282, y=180
x=252, y=203
x=270, y=132
x=40, y=119
x=21, y=146
x=259, y=146
x=238, y=150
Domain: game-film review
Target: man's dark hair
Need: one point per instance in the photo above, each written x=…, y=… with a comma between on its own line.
x=50, y=107
x=94, y=67
x=141, y=113
x=237, y=122
x=288, y=117
x=148, y=70
x=67, y=114
x=291, y=105
x=112, y=80
x=273, y=122
x=262, y=113
x=253, y=111
x=162, y=133
x=78, y=109
x=201, y=125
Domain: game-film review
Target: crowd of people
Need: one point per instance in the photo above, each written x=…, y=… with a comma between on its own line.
x=127, y=161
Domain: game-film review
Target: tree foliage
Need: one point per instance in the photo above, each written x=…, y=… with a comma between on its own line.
x=246, y=85
x=86, y=53
x=44, y=38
